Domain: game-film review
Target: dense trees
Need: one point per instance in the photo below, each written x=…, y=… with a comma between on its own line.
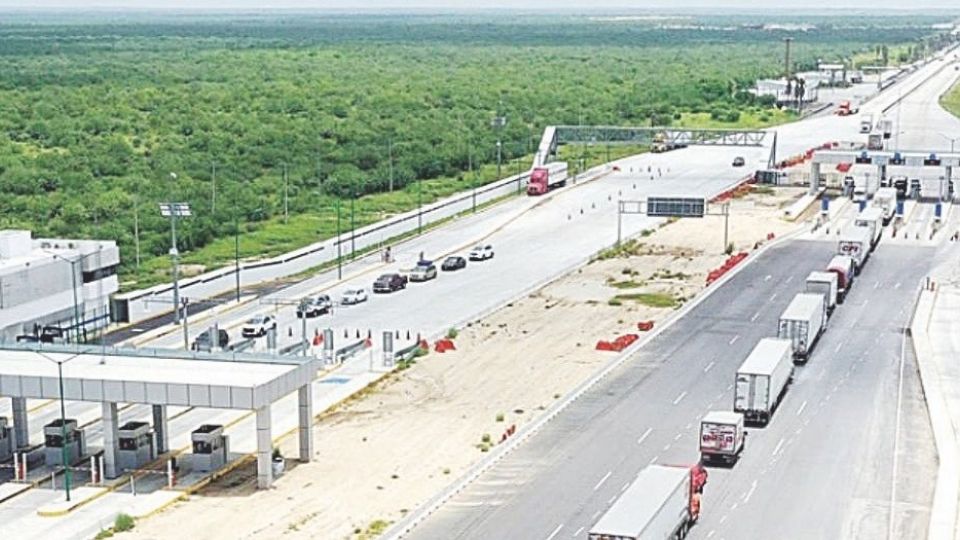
x=96, y=116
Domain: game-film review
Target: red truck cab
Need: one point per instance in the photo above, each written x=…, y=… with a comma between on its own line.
x=539, y=181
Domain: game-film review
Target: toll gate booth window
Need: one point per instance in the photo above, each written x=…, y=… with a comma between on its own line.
x=53, y=441
x=128, y=444
x=200, y=447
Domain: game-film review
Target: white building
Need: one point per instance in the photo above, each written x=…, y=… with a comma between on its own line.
x=53, y=282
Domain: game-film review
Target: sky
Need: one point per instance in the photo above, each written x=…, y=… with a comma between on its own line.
x=912, y=5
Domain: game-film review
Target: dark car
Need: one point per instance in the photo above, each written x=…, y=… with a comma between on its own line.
x=739, y=161
x=389, y=283
x=202, y=343
x=453, y=263
x=313, y=307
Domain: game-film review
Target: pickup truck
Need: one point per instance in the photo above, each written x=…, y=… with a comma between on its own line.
x=388, y=283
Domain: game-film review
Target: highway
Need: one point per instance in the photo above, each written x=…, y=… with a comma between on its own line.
x=833, y=428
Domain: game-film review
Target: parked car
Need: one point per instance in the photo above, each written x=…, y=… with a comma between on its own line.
x=453, y=263
x=424, y=271
x=739, y=161
x=481, y=252
x=388, y=283
x=258, y=326
x=313, y=307
x=353, y=296
x=203, y=342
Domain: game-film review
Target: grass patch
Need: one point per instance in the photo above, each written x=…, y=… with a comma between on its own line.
x=628, y=284
x=373, y=530
x=951, y=100
x=123, y=523
x=655, y=300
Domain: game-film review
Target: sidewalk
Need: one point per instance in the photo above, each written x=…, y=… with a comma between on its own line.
x=936, y=337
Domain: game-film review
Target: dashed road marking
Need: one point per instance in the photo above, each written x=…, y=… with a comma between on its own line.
x=680, y=397
x=876, y=285
x=755, y=316
x=602, y=480
x=653, y=460
x=711, y=533
x=773, y=297
x=577, y=534
x=802, y=407
x=789, y=279
x=555, y=531
x=779, y=447
x=644, y=436
x=897, y=286
x=734, y=340
x=677, y=437
x=709, y=366
x=837, y=348
x=753, y=487
x=723, y=518
x=768, y=277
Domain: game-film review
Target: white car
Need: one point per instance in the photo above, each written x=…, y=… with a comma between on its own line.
x=481, y=253
x=353, y=296
x=258, y=326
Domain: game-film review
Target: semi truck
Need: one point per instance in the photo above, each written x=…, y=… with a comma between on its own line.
x=844, y=268
x=663, y=502
x=855, y=243
x=825, y=283
x=661, y=144
x=875, y=141
x=721, y=437
x=885, y=199
x=866, y=123
x=547, y=177
x=871, y=219
x=885, y=127
x=762, y=379
x=802, y=323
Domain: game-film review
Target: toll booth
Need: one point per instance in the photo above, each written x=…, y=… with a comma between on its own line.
x=210, y=448
x=136, y=447
x=6, y=440
x=54, y=442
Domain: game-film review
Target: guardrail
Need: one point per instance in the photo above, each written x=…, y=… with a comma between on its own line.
x=294, y=349
x=347, y=352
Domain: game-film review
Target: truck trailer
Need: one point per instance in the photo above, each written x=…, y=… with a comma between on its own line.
x=721, y=437
x=547, y=177
x=802, y=323
x=762, y=380
x=855, y=243
x=885, y=199
x=663, y=502
x=825, y=283
x=871, y=219
x=844, y=267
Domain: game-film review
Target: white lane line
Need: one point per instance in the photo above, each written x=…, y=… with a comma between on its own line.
x=690, y=425
x=602, y=480
x=555, y=531
x=711, y=533
x=802, y=407
x=709, y=366
x=779, y=447
x=625, y=486
x=755, y=315
x=876, y=285
x=773, y=297
x=734, y=340
x=768, y=277
x=753, y=487
x=644, y=436
x=837, y=348
x=677, y=437
x=734, y=506
x=576, y=534
x=680, y=397
x=596, y=515
x=789, y=279
x=611, y=499
x=723, y=518
x=865, y=300
x=897, y=286
x=653, y=460
x=666, y=447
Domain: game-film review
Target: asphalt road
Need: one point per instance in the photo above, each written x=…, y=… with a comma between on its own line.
x=827, y=449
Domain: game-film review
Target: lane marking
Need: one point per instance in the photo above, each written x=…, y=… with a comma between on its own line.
x=734, y=506
x=680, y=397
x=677, y=437
x=802, y=407
x=839, y=345
x=773, y=297
x=778, y=448
x=596, y=515
x=652, y=460
x=611, y=499
x=555, y=531
x=625, y=486
x=768, y=277
x=711, y=533
x=734, y=340
x=709, y=366
x=602, y=480
x=755, y=315
x=789, y=279
x=723, y=518
x=576, y=534
x=753, y=487
x=876, y=285
x=665, y=448
x=644, y=436
x=897, y=286
x=896, y=439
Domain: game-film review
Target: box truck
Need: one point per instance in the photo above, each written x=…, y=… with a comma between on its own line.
x=866, y=123
x=721, y=437
x=844, y=267
x=762, y=379
x=885, y=199
x=855, y=243
x=825, y=283
x=871, y=219
x=802, y=323
x=663, y=502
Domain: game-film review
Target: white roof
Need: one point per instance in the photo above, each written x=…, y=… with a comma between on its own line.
x=154, y=380
x=822, y=276
x=723, y=417
x=766, y=355
x=638, y=504
x=870, y=212
x=802, y=306
x=856, y=233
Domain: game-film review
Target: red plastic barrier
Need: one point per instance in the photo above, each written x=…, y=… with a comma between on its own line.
x=444, y=345
x=770, y=236
x=604, y=346
x=645, y=326
x=317, y=340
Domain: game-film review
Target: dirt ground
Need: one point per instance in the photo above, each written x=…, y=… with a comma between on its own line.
x=387, y=451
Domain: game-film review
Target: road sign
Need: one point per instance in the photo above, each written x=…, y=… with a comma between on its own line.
x=676, y=206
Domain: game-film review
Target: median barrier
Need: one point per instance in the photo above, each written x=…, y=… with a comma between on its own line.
x=350, y=350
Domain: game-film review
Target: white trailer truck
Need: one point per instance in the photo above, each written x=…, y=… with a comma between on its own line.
x=855, y=243
x=721, y=437
x=802, y=323
x=825, y=283
x=886, y=200
x=871, y=219
x=663, y=502
x=762, y=380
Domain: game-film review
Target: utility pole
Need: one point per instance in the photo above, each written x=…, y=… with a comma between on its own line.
x=498, y=123
x=286, y=195
x=419, y=206
x=136, y=227
x=353, y=225
x=339, y=257
x=173, y=210
x=213, y=185
x=390, y=158
x=236, y=248
x=786, y=59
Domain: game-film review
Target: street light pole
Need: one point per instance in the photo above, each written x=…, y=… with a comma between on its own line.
x=353, y=226
x=419, y=206
x=236, y=248
x=63, y=433
x=339, y=256
x=73, y=283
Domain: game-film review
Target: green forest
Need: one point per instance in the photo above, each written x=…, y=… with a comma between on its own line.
x=252, y=110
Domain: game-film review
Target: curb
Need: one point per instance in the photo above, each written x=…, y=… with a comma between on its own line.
x=74, y=506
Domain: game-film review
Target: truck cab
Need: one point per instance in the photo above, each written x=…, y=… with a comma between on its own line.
x=539, y=181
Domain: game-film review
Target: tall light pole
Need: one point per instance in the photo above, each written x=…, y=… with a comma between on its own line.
x=236, y=247
x=498, y=123
x=952, y=140
x=63, y=418
x=73, y=283
x=173, y=210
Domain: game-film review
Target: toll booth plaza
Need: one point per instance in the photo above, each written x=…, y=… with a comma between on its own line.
x=156, y=377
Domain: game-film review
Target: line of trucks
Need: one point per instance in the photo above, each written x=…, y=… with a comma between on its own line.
x=663, y=502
